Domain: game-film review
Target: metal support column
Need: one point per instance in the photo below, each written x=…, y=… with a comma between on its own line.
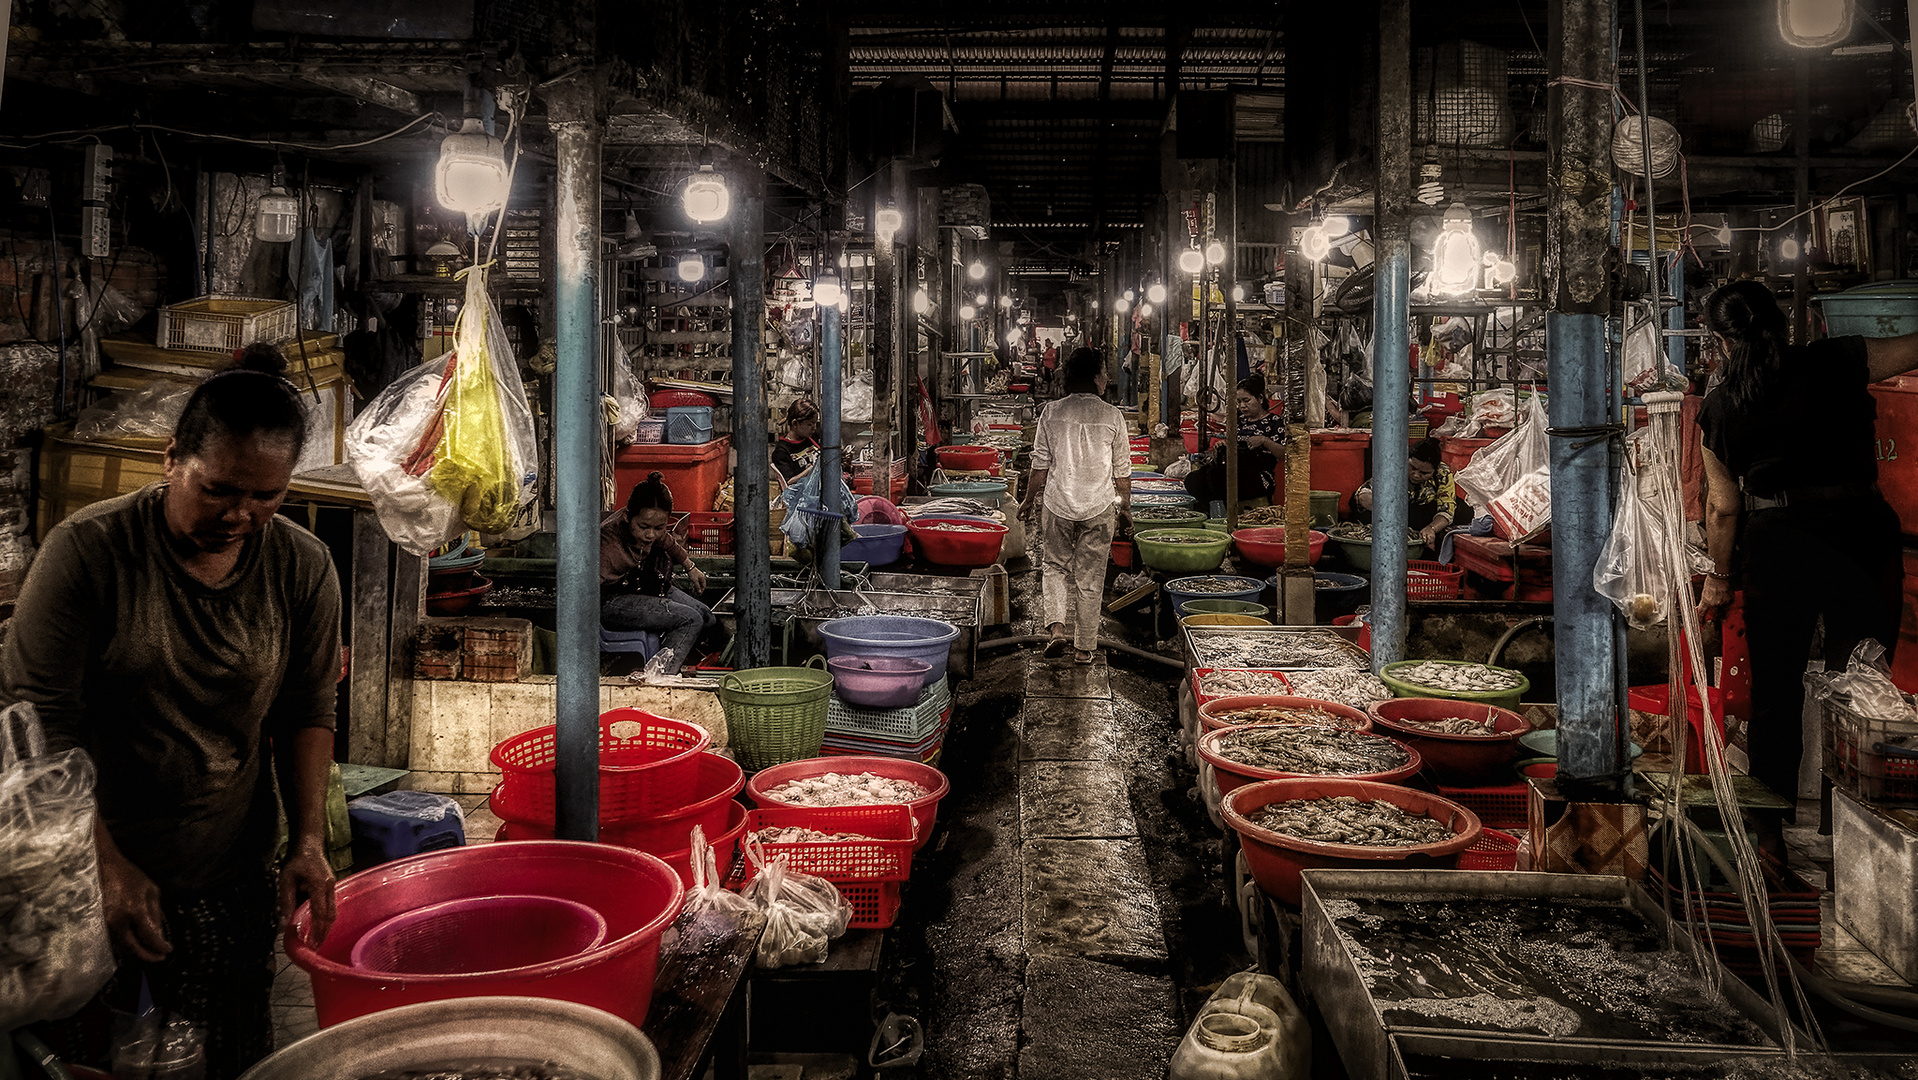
x=746, y=262
x=1579, y=270
x=1391, y=333
x=831, y=368
x=579, y=427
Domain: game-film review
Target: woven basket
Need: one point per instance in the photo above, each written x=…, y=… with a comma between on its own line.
x=776, y=714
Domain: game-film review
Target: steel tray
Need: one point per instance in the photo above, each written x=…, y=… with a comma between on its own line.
x=1192, y=635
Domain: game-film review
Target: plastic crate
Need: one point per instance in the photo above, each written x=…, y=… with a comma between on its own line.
x=689, y=425
x=710, y=533
x=1505, y=806
x=885, y=853
x=679, y=399
x=924, y=750
x=220, y=322
x=1852, y=758
x=1429, y=580
x=912, y=724
x=1493, y=850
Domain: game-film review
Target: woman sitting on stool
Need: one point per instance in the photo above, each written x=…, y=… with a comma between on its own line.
x=1261, y=440
x=637, y=553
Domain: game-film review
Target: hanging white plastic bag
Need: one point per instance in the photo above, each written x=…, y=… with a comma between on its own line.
x=1632, y=569
x=856, y=403
x=1496, y=469
x=631, y=404
x=803, y=912
x=392, y=445
x=54, y=951
x=1644, y=360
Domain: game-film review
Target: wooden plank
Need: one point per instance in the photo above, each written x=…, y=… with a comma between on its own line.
x=408, y=607
x=367, y=605
x=697, y=980
x=1131, y=598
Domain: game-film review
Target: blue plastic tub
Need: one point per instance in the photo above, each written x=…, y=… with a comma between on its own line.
x=1251, y=591
x=989, y=492
x=878, y=545
x=1344, y=596
x=1888, y=309
x=895, y=636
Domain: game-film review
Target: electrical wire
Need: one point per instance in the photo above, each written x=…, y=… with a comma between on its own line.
x=80, y=134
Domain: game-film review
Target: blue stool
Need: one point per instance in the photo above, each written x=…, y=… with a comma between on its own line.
x=402, y=823
x=643, y=642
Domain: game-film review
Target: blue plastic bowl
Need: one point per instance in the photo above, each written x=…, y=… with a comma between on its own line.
x=900, y=637
x=988, y=492
x=1253, y=589
x=878, y=545
x=1341, y=598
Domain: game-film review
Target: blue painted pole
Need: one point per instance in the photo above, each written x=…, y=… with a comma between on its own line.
x=831, y=375
x=1675, y=318
x=579, y=427
x=1391, y=335
x=752, y=524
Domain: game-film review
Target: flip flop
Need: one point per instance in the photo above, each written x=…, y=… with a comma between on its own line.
x=1056, y=648
x=1082, y=657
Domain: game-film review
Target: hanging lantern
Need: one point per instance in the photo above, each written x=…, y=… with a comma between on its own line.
x=471, y=177
x=1455, y=256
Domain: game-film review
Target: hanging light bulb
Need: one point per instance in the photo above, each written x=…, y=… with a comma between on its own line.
x=827, y=290
x=980, y=300
x=1095, y=305
x=921, y=303
x=1192, y=260
x=886, y=221
x=1499, y=270
x=278, y=219
x=977, y=271
x=691, y=268
x=1238, y=294
x=1336, y=226
x=1145, y=311
x=967, y=313
x=1121, y=305
x=1313, y=243
x=1005, y=302
x=471, y=176
x=1788, y=248
x=1155, y=293
x=1215, y=253
x=1724, y=235
x=706, y=197
x=1455, y=256
x=1130, y=295
x=1814, y=24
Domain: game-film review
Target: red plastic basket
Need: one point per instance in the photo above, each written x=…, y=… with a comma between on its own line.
x=875, y=904
x=1429, y=580
x=925, y=809
x=710, y=533
x=637, y=895
x=716, y=780
x=886, y=856
x=676, y=853
x=1276, y=859
x=648, y=768
x=679, y=399
x=1493, y=850
x=1505, y=806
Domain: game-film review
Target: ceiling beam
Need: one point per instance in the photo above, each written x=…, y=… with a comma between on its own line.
x=1100, y=172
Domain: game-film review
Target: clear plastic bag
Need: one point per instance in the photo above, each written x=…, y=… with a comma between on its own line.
x=488, y=459
x=160, y=1045
x=632, y=404
x=1496, y=469
x=1633, y=571
x=54, y=951
x=803, y=912
x=715, y=909
x=392, y=445
x=151, y=412
x=1865, y=686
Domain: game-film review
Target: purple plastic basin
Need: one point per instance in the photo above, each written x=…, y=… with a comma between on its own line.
x=878, y=682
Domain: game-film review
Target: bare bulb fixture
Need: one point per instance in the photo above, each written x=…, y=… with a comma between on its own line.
x=1336, y=226
x=1192, y=260
x=887, y=221
x=921, y=303
x=471, y=176
x=977, y=271
x=1145, y=311
x=1215, y=253
x=827, y=292
x=979, y=300
x=691, y=268
x=1788, y=248
x=1814, y=24
x=1155, y=293
x=1313, y=243
x=1005, y=302
x=1455, y=256
x=1238, y=294
x=706, y=198
x=1121, y=305
x=968, y=313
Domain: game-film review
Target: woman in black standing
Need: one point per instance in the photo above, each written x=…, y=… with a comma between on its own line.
x=1793, y=510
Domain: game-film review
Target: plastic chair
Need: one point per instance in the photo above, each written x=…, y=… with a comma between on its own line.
x=643, y=642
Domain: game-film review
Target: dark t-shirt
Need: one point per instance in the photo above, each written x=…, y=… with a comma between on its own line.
x=1815, y=427
x=173, y=686
x=794, y=456
x=626, y=568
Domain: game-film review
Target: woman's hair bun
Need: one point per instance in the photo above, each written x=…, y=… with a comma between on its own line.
x=261, y=357
x=655, y=476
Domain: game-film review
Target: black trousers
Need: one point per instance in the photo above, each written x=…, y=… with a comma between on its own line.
x=1841, y=564
x=1207, y=482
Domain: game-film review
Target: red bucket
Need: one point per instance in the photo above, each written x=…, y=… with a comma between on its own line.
x=1233, y=775
x=1453, y=759
x=1276, y=859
x=648, y=767
x=1213, y=709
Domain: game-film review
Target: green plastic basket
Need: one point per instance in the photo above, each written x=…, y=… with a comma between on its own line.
x=776, y=714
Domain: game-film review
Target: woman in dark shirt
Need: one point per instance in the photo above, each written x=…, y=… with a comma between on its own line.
x=1261, y=440
x=1432, y=497
x=1793, y=503
x=798, y=450
x=637, y=554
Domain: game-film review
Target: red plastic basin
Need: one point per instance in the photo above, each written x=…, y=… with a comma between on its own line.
x=637, y=895
x=1453, y=759
x=1233, y=775
x=1209, y=713
x=925, y=809
x=1265, y=545
x=978, y=546
x=674, y=851
x=479, y=934
x=717, y=780
x=967, y=458
x=1276, y=859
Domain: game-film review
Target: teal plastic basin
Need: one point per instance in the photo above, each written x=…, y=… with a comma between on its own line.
x=1889, y=309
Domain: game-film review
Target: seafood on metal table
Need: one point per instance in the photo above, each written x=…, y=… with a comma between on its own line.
x=1292, y=649
x=1344, y=819
x=845, y=789
x=1211, y=584
x=1458, y=678
x=1343, y=685
x=1312, y=751
x=1231, y=683
x=1452, y=725
x=1285, y=714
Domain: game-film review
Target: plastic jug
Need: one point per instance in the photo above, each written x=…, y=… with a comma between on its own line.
x=1250, y=1029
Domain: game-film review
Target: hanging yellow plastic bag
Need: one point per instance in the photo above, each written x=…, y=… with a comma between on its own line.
x=488, y=460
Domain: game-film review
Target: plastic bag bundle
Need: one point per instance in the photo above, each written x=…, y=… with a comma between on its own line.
x=803, y=913
x=715, y=910
x=151, y=412
x=1865, y=686
x=54, y=952
x=1632, y=570
x=1496, y=469
x=391, y=446
x=804, y=502
x=632, y=405
x=488, y=461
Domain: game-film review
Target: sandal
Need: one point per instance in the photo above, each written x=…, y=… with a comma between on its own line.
x=1083, y=656
x=1057, y=647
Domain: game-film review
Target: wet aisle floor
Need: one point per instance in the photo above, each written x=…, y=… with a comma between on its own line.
x=1071, y=915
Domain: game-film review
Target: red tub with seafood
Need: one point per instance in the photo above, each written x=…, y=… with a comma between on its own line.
x=1278, y=843
x=1246, y=681
x=1293, y=751
x=1280, y=709
x=1462, y=742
